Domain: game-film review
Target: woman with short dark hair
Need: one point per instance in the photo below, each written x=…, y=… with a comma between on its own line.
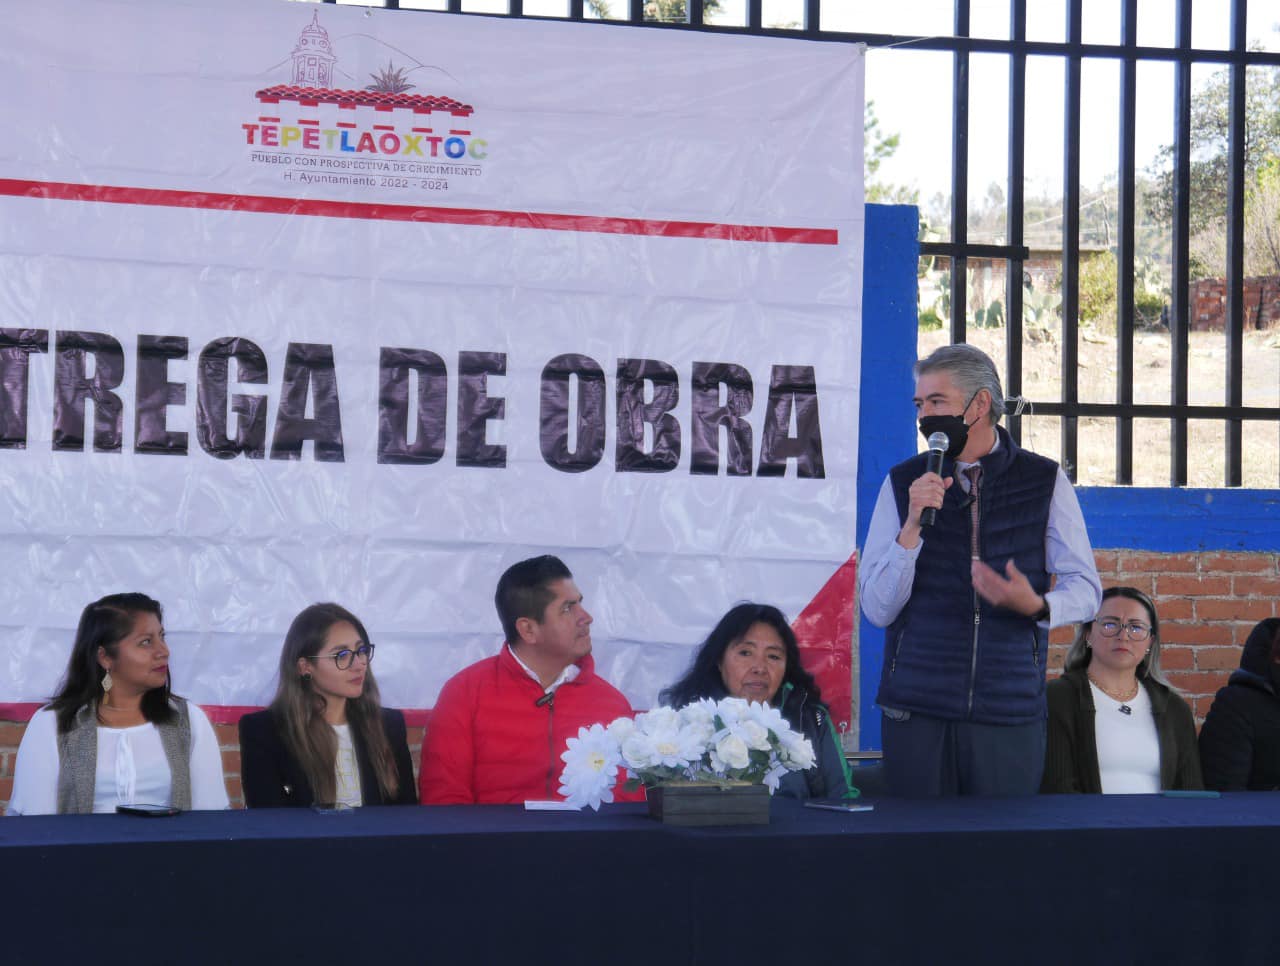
x=115, y=734
x=752, y=654
x=326, y=739
x=1115, y=724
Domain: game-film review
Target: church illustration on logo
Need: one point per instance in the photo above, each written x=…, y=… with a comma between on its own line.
x=400, y=122
x=313, y=57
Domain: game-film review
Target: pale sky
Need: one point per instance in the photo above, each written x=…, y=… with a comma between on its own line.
x=899, y=81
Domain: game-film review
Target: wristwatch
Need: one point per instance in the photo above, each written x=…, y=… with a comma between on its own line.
x=1043, y=613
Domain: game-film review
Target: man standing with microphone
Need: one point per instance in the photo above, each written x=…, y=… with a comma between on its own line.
x=974, y=551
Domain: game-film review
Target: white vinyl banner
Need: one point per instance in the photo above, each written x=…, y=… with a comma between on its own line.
x=304, y=303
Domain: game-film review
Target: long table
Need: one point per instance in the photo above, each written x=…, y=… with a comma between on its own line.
x=1117, y=879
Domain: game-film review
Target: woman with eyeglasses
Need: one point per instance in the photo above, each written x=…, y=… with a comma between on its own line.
x=1115, y=724
x=326, y=740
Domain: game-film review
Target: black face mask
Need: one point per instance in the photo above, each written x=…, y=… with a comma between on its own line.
x=954, y=427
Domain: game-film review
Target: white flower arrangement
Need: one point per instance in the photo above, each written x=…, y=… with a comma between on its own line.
x=730, y=740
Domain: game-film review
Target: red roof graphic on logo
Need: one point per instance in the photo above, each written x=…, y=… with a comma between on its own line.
x=383, y=101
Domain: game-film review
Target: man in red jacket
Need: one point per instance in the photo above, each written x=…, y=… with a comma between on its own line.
x=499, y=726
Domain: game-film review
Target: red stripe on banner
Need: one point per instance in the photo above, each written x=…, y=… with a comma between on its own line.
x=492, y=218
x=18, y=712
x=824, y=631
x=224, y=714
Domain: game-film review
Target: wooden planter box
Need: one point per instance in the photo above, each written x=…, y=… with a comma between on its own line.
x=706, y=803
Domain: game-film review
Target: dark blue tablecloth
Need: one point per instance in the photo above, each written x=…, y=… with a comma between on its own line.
x=1120, y=879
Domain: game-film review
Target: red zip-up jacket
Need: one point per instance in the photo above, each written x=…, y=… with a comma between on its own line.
x=489, y=742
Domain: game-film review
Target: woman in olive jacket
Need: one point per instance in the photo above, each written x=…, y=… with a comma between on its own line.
x=1114, y=666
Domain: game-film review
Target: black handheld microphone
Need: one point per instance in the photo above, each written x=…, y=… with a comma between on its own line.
x=938, y=445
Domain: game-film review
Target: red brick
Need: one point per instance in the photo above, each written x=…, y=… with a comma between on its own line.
x=1248, y=586
x=1233, y=609
x=231, y=762
x=1177, y=632
x=6, y=789
x=1159, y=563
x=1180, y=586
x=235, y=792
x=1175, y=608
x=228, y=735
x=414, y=736
x=1057, y=655
x=1140, y=581
x=1107, y=561
x=1217, y=658
x=1201, y=705
x=11, y=733
x=1238, y=563
x=1062, y=636
x=1241, y=631
x=1198, y=682
x=1177, y=658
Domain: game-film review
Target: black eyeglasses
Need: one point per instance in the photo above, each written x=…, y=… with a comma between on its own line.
x=1134, y=630
x=347, y=657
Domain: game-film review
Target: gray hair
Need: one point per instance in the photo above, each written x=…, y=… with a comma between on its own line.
x=1079, y=653
x=971, y=371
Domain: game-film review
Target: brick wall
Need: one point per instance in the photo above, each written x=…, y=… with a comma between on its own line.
x=1208, y=603
x=1261, y=306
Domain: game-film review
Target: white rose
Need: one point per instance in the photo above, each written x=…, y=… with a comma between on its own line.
x=755, y=734
x=658, y=720
x=621, y=729
x=699, y=713
x=733, y=751
x=700, y=732
x=637, y=751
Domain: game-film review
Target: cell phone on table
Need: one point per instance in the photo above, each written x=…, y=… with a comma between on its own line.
x=838, y=806
x=146, y=810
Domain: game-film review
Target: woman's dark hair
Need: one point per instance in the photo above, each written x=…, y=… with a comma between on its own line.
x=104, y=624
x=1079, y=654
x=703, y=679
x=301, y=707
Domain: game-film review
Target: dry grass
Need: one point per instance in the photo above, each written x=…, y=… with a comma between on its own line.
x=1096, y=375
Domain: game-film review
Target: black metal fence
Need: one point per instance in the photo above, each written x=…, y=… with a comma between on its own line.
x=1068, y=412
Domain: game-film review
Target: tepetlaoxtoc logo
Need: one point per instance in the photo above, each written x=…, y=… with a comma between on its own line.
x=382, y=135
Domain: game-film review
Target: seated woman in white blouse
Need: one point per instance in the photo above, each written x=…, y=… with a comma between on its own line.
x=1115, y=724
x=115, y=734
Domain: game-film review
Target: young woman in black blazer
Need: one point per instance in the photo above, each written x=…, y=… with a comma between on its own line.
x=326, y=739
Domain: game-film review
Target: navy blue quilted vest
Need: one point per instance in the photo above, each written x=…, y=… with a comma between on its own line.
x=949, y=653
